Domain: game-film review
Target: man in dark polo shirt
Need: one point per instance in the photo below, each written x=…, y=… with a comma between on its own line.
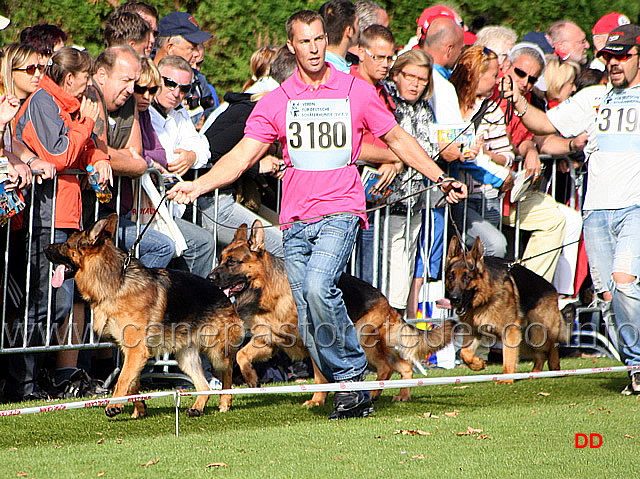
x=118, y=131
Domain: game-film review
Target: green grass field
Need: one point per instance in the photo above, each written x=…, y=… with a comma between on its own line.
x=479, y=430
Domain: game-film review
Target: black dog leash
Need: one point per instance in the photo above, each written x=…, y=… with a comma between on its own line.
x=127, y=260
x=319, y=217
x=543, y=253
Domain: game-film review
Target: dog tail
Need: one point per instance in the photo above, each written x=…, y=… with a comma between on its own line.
x=416, y=344
x=567, y=323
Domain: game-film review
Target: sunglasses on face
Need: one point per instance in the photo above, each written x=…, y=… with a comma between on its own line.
x=606, y=57
x=30, y=69
x=141, y=90
x=172, y=85
x=489, y=53
x=522, y=74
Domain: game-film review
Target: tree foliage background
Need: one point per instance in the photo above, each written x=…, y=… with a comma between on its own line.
x=241, y=26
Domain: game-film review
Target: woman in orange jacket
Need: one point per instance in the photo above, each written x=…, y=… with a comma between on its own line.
x=55, y=123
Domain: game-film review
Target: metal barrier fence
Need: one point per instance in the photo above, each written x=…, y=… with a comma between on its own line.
x=75, y=334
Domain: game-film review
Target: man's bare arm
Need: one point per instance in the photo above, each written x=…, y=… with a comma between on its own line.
x=226, y=170
x=376, y=155
x=534, y=119
x=128, y=161
x=411, y=153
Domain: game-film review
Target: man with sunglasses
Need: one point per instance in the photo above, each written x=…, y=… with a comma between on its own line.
x=318, y=115
x=609, y=114
x=539, y=213
x=185, y=147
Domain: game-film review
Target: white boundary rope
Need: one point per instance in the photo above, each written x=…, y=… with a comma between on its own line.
x=307, y=388
x=85, y=404
x=404, y=383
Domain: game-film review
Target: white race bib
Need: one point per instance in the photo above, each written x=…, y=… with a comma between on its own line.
x=319, y=134
x=618, y=121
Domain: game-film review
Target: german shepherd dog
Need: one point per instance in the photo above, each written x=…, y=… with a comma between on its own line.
x=509, y=303
x=149, y=311
x=258, y=280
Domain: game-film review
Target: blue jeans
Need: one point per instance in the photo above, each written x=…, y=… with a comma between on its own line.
x=315, y=257
x=482, y=224
x=435, y=227
x=198, y=257
x=612, y=240
x=156, y=249
x=232, y=215
x=366, y=251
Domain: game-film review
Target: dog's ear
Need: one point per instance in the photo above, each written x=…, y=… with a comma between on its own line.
x=454, y=248
x=241, y=233
x=476, y=251
x=256, y=242
x=104, y=228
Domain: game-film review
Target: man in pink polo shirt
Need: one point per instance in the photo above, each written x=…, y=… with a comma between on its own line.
x=319, y=115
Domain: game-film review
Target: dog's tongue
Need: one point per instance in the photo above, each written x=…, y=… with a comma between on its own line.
x=226, y=292
x=58, y=276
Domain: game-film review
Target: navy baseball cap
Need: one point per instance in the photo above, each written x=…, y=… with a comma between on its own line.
x=184, y=25
x=539, y=39
x=621, y=40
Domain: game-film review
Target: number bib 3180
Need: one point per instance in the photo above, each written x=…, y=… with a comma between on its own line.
x=319, y=134
x=618, y=121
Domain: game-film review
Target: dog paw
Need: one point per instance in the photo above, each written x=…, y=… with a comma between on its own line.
x=312, y=403
x=139, y=412
x=113, y=411
x=401, y=398
x=193, y=412
x=477, y=364
x=505, y=381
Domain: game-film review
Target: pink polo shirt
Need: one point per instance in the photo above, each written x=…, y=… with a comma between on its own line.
x=307, y=194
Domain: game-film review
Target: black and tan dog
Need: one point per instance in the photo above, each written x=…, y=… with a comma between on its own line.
x=148, y=311
x=507, y=303
x=258, y=281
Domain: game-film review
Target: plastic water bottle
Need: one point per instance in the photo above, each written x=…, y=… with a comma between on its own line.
x=103, y=194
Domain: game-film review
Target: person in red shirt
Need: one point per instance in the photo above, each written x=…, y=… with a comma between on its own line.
x=539, y=213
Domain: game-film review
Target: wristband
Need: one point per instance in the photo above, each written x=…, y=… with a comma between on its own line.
x=526, y=105
x=31, y=160
x=571, y=145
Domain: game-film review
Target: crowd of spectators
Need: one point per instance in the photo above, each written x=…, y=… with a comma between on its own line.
x=143, y=103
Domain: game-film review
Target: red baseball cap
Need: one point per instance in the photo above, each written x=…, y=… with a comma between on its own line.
x=621, y=40
x=440, y=11
x=609, y=22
